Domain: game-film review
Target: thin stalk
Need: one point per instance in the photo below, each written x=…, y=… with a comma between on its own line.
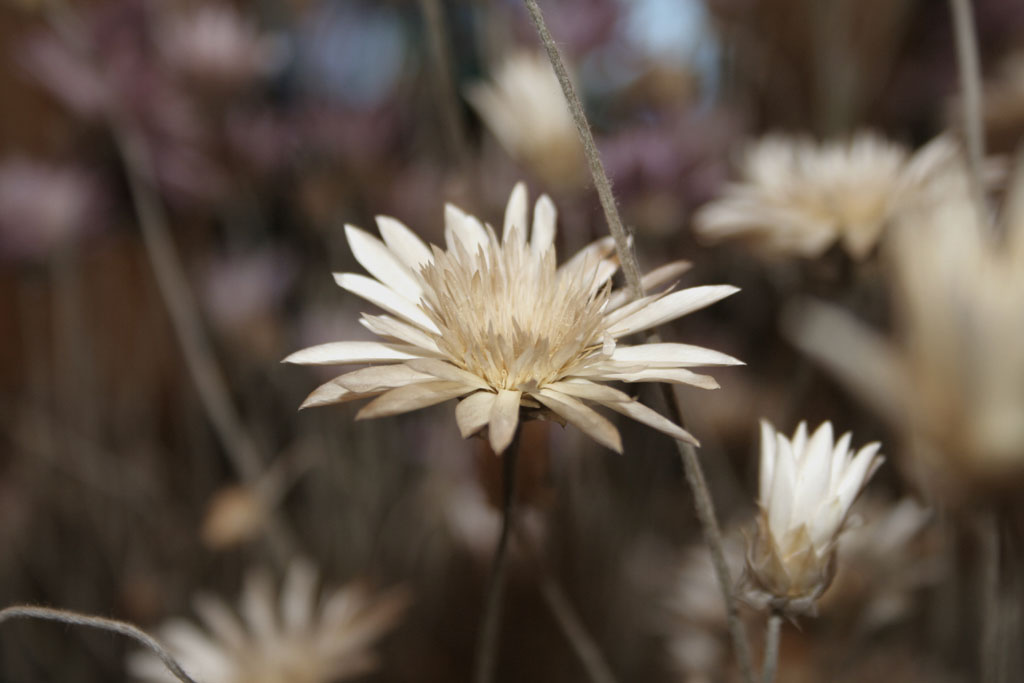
x=112, y=625
x=990, y=653
x=174, y=289
x=772, y=631
x=575, y=632
x=490, y=624
x=582, y=643
x=631, y=271
x=969, y=65
x=196, y=348
x=630, y=268
x=448, y=101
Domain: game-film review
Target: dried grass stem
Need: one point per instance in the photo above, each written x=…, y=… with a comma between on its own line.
x=111, y=625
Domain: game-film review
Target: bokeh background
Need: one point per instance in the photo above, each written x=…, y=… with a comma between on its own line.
x=268, y=125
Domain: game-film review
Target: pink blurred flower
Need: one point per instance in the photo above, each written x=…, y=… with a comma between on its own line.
x=216, y=45
x=43, y=207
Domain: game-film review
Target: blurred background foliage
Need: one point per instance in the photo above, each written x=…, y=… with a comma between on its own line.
x=270, y=124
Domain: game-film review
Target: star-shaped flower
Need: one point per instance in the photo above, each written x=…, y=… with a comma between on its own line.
x=496, y=323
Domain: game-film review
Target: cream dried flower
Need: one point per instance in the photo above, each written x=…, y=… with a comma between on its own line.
x=495, y=321
x=807, y=485
x=952, y=377
x=299, y=640
x=525, y=110
x=798, y=197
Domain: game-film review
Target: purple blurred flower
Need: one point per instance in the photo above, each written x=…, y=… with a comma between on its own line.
x=115, y=74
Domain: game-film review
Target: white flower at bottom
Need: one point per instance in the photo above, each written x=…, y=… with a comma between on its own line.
x=299, y=640
x=807, y=485
x=496, y=322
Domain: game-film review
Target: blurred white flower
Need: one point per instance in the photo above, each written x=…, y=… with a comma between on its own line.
x=797, y=197
x=807, y=485
x=952, y=379
x=496, y=322
x=526, y=111
x=298, y=639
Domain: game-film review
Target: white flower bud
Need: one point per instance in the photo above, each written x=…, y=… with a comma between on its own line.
x=807, y=486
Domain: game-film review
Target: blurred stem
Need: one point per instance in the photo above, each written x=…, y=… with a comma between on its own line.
x=991, y=653
x=111, y=625
x=771, y=647
x=575, y=632
x=970, y=82
x=630, y=268
x=490, y=625
x=199, y=357
x=448, y=101
x=631, y=271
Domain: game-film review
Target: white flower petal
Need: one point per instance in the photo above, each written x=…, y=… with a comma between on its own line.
x=298, y=596
x=799, y=441
x=222, y=623
x=641, y=413
x=586, y=419
x=813, y=477
x=257, y=606
x=381, y=378
x=652, y=280
x=672, y=375
x=462, y=229
x=380, y=262
x=592, y=253
x=670, y=307
x=857, y=474
x=412, y=397
x=329, y=394
x=515, y=215
x=780, y=503
x=406, y=245
x=667, y=355
x=340, y=353
x=504, y=420
x=474, y=412
x=590, y=391
x=385, y=297
x=446, y=371
x=386, y=326
x=840, y=456
x=545, y=216
x=768, y=455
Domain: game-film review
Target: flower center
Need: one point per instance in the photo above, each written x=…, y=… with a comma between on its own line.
x=510, y=317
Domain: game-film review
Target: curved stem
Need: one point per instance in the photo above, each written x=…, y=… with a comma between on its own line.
x=490, y=625
x=582, y=643
x=120, y=627
x=630, y=269
x=771, y=647
x=713, y=537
